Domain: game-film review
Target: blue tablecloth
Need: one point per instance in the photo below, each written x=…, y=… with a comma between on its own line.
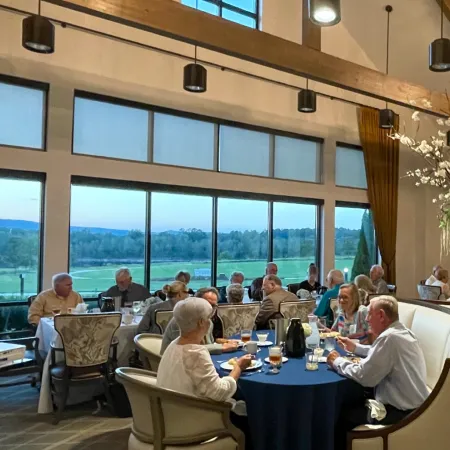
x=296, y=409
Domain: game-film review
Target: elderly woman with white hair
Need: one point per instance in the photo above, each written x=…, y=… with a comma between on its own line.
x=235, y=294
x=376, y=275
x=186, y=365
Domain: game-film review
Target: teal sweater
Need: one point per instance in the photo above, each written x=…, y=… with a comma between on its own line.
x=324, y=306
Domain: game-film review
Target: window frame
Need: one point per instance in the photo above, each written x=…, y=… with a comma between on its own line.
x=215, y=194
x=38, y=86
x=31, y=176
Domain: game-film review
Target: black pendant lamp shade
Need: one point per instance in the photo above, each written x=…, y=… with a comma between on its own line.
x=307, y=101
x=325, y=13
x=387, y=117
x=440, y=55
x=38, y=34
x=195, y=77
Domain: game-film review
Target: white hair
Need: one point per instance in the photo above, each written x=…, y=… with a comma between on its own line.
x=379, y=269
x=187, y=313
x=235, y=293
x=236, y=274
x=337, y=276
x=123, y=271
x=59, y=277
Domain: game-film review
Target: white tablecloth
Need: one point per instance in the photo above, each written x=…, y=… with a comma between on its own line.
x=47, y=334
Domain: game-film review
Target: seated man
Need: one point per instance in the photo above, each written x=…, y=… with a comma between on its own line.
x=215, y=329
x=376, y=275
x=442, y=282
x=235, y=278
x=59, y=298
x=394, y=365
x=432, y=277
x=235, y=294
x=311, y=284
x=125, y=288
x=256, y=293
x=274, y=294
x=335, y=279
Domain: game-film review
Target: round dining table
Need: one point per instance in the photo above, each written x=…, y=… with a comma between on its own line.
x=296, y=409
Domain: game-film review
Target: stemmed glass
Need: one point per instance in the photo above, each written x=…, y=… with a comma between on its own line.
x=275, y=359
x=136, y=307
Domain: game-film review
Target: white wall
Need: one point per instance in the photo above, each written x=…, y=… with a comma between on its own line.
x=97, y=64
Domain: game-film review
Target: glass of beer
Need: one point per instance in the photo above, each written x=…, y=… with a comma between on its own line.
x=246, y=335
x=275, y=360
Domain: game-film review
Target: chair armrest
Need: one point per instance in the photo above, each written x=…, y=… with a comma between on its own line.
x=53, y=350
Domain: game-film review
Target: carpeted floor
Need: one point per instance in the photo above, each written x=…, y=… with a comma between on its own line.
x=22, y=428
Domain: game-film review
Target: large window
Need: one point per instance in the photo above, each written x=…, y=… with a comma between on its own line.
x=350, y=167
x=107, y=231
x=294, y=240
x=241, y=238
x=244, y=12
x=355, y=246
x=22, y=116
x=20, y=244
x=180, y=238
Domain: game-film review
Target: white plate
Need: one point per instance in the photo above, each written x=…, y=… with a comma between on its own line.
x=256, y=365
x=267, y=360
x=265, y=344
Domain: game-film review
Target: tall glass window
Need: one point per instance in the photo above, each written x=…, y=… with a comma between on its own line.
x=181, y=227
x=107, y=231
x=355, y=246
x=22, y=116
x=294, y=240
x=350, y=167
x=241, y=238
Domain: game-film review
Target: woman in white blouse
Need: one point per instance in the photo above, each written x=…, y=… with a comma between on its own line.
x=186, y=365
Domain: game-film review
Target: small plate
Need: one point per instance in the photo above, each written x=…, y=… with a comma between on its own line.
x=256, y=365
x=284, y=360
x=265, y=344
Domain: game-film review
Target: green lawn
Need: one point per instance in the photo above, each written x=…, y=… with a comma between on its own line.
x=89, y=280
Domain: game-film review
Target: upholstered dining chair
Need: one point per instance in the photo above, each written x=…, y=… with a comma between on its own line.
x=299, y=309
x=149, y=347
x=429, y=292
x=163, y=418
x=237, y=317
x=86, y=342
x=162, y=319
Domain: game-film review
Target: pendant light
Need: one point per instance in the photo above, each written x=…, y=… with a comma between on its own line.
x=439, y=51
x=38, y=33
x=387, y=116
x=195, y=76
x=324, y=13
x=307, y=101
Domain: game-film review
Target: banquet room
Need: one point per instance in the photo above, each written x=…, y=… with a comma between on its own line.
x=224, y=224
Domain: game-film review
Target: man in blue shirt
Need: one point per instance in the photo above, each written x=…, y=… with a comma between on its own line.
x=335, y=279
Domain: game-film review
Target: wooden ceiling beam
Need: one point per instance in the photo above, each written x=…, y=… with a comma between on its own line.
x=446, y=8
x=171, y=19
x=311, y=33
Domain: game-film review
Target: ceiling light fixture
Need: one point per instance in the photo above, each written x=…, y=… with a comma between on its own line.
x=307, y=100
x=439, y=51
x=38, y=33
x=387, y=116
x=325, y=13
x=195, y=75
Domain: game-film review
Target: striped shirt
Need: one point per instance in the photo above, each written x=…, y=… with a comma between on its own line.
x=357, y=328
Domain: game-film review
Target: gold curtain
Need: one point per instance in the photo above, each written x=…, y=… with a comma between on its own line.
x=381, y=156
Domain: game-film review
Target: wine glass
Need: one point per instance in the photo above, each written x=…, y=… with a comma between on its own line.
x=275, y=359
x=136, y=307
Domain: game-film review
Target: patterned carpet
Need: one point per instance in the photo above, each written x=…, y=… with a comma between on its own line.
x=22, y=428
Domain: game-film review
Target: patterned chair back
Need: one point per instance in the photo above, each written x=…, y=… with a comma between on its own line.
x=86, y=338
x=162, y=319
x=299, y=309
x=237, y=317
x=429, y=292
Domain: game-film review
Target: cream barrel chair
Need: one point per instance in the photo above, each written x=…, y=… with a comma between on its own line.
x=299, y=309
x=237, y=317
x=149, y=346
x=165, y=419
x=427, y=427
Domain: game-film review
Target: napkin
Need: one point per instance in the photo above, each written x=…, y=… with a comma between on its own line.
x=376, y=409
x=81, y=308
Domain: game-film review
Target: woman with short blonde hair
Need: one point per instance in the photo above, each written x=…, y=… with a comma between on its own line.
x=366, y=288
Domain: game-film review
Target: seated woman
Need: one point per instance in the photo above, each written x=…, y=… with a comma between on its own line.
x=311, y=284
x=186, y=365
x=174, y=292
x=366, y=288
x=351, y=320
x=184, y=277
x=235, y=294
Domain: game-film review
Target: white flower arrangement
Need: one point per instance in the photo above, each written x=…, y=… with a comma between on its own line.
x=307, y=329
x=436, y=173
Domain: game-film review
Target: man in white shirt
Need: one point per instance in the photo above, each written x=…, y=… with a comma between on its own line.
x=442, y=282
x=433, y=278
x=394, y=365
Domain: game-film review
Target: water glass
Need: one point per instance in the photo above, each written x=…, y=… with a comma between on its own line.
x=312, y=361
x=136, y=307
x=275, y=358
x=330, y=344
